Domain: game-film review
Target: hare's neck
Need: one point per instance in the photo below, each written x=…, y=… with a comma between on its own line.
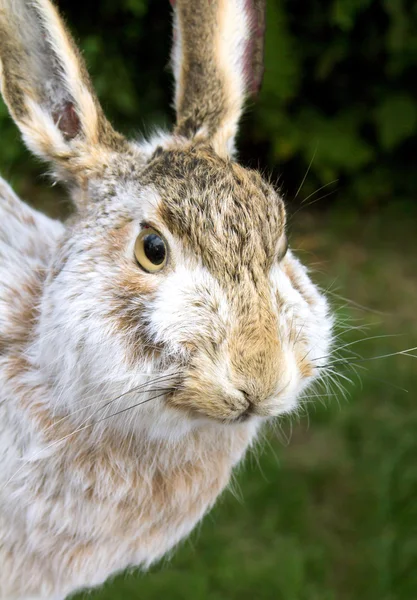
x=111, y=460
x=113, y=499
x=65, y=412
x=120, y=460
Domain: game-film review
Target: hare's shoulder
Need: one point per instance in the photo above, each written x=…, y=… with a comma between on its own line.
x=27, y=240
x=25, y=234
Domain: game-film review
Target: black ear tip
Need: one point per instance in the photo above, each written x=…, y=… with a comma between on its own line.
x=67, y=121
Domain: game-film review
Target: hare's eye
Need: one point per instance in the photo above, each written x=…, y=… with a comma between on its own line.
x=150, y=250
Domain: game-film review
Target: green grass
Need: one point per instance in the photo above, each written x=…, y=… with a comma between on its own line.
x=327, y=508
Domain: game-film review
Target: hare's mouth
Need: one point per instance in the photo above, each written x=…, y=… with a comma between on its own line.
x=205, y=409
x=203, y=398
x=244, y=417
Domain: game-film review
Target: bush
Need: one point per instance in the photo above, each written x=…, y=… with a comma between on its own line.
x=339, y=94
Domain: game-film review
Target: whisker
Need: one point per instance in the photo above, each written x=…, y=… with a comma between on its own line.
x=393, y=385
x=307, y=172
x=312, y=202
x=136, y=389
x=360, y=306
x=372, y=337
x=354, y=360
x=320, y=188
x=78, y=430
x=119, y=412
x=298, y=334
x=321, y=198
x=142, y=386
x=339, y=374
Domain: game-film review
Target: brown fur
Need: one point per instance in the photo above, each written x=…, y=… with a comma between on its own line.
x=202, y=99
x=236, y=232
x=210, y=101
x=221, y=212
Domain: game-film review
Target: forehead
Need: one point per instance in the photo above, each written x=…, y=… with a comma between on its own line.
x=226, y=214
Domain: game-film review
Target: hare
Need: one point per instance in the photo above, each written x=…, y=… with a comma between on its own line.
x=144, y=343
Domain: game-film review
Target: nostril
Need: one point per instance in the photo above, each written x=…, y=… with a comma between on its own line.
x=248, y=410
x=245, y=394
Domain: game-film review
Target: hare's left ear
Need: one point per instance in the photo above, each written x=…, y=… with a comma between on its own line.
x=218, y=62
x=47, y=89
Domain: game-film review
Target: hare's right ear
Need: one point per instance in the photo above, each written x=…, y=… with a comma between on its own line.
x=46, y=86
x=218, y=61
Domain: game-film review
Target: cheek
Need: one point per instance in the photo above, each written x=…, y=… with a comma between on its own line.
x=188, y=309
x=304, y=320
x=128, y=295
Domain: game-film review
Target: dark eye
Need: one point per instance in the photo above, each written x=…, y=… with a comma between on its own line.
x=150, y=250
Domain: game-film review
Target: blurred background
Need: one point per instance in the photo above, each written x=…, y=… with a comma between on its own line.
x=325, y=509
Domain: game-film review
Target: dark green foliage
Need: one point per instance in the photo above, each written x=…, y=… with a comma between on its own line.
x=340, y=89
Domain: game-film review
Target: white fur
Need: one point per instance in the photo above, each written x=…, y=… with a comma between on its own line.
x=77, y=379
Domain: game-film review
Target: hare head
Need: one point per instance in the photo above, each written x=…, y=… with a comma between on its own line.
x=176, y=260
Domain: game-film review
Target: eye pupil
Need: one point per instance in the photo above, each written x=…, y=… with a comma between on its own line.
x=154, y=248
x=151, y=250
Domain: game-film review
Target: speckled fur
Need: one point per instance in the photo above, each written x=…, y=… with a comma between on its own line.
x=225, y=337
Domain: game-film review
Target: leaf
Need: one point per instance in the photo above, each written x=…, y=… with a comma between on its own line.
x=396, y=120
x=282, y=68
x=344, y=12
x=137, y=7
x=336, y=143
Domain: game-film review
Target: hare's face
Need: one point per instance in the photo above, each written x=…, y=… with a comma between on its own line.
x=232, y=301
x=228, y=309
x=212, y=298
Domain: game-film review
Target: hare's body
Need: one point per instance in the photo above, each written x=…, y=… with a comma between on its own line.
x=143, y=344
x=123, y=504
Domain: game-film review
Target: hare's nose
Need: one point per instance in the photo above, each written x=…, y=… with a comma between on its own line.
x=250, y=402
x=248, y=397
x=253, y=391
x=253, y=395
x=248, y=411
